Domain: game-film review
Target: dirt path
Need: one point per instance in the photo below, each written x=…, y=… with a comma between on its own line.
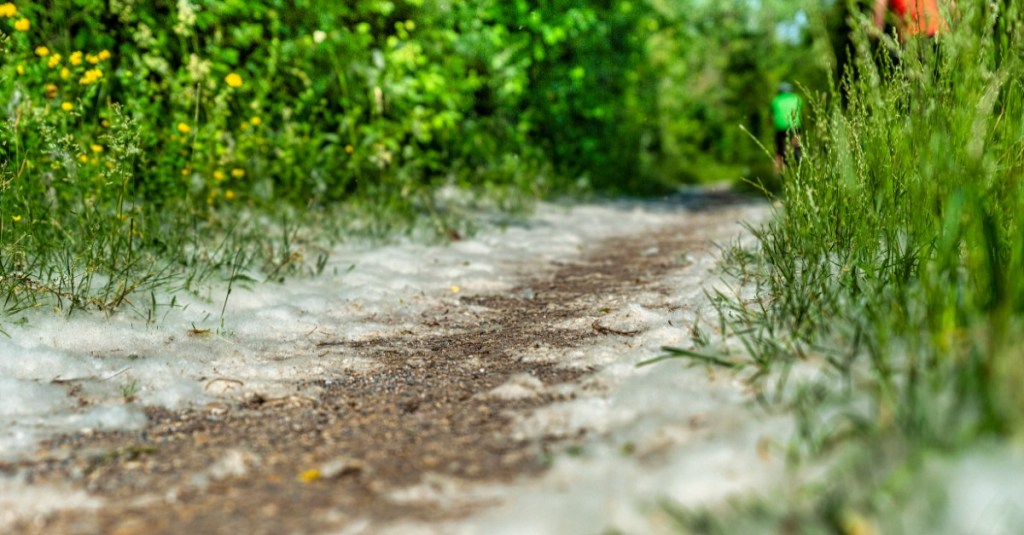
x=439, y=407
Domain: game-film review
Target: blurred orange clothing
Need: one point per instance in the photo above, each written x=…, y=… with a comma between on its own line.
x=919, y=16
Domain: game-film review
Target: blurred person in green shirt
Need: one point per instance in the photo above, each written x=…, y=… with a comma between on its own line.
x=787, y=107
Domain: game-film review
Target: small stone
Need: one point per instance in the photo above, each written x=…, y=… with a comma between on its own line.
x=519, y=386
x=234, y=463
x=341, y=467
x=216, y=408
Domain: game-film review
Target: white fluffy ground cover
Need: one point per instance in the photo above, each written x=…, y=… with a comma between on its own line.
x=267, y=339
x=672, y=431
x=74, y=374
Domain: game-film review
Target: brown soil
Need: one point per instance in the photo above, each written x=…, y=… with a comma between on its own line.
x=310, y=464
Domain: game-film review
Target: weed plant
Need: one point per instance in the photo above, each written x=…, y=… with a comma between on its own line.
x=901, y=235
x=894, y=266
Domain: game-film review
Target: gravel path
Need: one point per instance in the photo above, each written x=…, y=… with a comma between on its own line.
x=491, y=404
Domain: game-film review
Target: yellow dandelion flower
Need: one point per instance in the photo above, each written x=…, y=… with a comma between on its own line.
x=20, y=68
x=238, y=173
x=229, y=194
x=42, y=51
x=184, y=128
x=15, y=218
x=75, y=58
x=92, y=58
x=96, y=148
x=349, y=149
x=67, y=106
x=105, y=123
x=455, y=288
x=91, y=76
x=22, y=25
x=233, y=80
x=8, y=10
x=104, y=55
x=218, y=175
x=54, y=61
x=256, y=121
x=65, y=73
x=309, y=476
x=83, y=158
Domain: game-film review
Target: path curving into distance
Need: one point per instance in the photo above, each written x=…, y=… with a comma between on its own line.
x=487, y=386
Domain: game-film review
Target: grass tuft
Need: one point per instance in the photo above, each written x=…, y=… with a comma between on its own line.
x=892, y=269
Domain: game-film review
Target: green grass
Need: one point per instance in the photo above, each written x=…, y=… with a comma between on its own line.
x=894, y=266
x=904, y=225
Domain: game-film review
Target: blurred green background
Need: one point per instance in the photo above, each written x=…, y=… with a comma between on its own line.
x=143, y=141
x=379, y=98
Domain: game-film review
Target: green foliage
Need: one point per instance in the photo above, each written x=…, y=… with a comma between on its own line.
x=718, y=65
x=135, y=134
x=591, y=102
x=893, y=266
x=905, y=222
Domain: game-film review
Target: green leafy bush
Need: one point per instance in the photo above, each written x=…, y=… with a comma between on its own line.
x=133, y=130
